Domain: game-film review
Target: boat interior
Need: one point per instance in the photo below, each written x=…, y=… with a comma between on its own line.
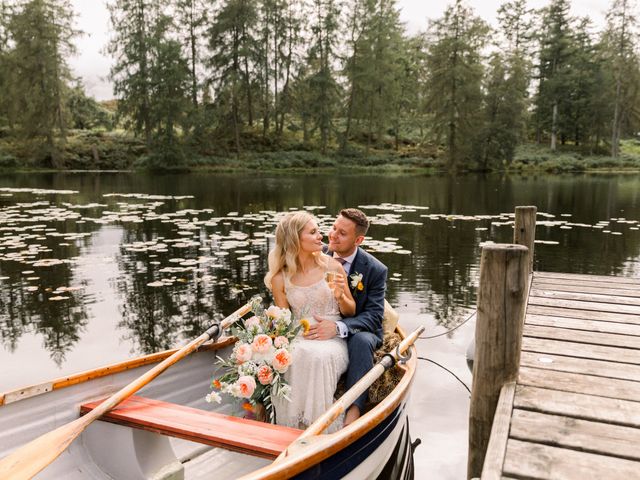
x=167, y=431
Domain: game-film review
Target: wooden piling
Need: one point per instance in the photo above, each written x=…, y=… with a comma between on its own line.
x=504, y=271
x=524, y=232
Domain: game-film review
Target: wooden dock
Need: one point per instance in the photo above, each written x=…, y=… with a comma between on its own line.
x=574, y=410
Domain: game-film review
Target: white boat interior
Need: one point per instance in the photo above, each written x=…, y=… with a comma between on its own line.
x=117, y=451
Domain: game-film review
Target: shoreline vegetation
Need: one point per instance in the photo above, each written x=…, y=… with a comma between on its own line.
x=284, y=85
x=103, y=151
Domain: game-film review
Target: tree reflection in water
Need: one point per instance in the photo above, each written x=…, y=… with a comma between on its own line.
x=60, y=323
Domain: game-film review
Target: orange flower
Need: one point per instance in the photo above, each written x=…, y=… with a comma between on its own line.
x=281, y=360
x=246, y=386
x=265, y=374
x=247, y=406
x=216, y=384
x=360, y=286
x=261, y=343
x=305, y=325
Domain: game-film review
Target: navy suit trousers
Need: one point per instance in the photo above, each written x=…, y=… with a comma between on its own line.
x=361, y=348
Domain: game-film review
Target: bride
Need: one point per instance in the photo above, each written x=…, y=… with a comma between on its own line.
x=298, y=278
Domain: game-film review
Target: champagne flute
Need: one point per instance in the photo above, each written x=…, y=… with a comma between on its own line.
x=330, y=276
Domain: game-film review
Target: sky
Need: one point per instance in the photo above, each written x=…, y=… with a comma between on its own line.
x=92, y=64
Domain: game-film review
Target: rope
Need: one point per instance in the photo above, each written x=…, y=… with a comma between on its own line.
x=454, y=328
x=445, y=368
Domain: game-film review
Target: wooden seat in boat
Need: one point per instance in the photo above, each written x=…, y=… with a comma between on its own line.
x=225, y=431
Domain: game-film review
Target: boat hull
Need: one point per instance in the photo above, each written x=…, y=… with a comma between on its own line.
x=379, y=447
x=371, y=456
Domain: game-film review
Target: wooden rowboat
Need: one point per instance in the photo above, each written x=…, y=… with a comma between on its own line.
x=167, y=431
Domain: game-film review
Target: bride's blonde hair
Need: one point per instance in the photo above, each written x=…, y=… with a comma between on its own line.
x=284, y=256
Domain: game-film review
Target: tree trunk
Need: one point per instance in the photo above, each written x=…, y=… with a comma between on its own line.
x=194, y=79
x=554, y=120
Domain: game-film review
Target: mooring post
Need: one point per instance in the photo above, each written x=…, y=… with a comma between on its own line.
x=524, y=232
x=504, y=271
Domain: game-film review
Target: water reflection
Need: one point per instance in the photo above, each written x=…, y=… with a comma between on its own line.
x=40, y=303
x=194, y=246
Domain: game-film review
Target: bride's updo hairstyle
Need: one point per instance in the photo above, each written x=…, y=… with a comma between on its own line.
x=284, y=256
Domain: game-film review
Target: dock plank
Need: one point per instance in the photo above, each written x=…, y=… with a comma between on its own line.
x=581, y=350
x=579, y=383
x=585, y=297
x=583, y=435
x=593, y=278
x=581, y=336
x=584, y=314
x=583, y=324
x=534, y=460
x=578, y=405
x=587, y=287
x=582, y=305
x=561, y=363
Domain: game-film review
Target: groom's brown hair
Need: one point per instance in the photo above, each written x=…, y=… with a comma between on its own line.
x=358, y=217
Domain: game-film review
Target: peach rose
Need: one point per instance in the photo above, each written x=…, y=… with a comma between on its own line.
x=246, y=386
x=281, y=360
x=243, y=353
x=265, y=374
x=281, y=341
x=273, y=312
x=261, y=343
x=252, y=322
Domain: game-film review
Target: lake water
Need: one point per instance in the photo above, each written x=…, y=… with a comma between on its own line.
x=95, y=268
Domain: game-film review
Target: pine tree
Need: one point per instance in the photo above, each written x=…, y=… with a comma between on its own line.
x=5, y=67
x=151, y=76
x=130, y=20
x=408, y=109
x=232, y=57
x=280, y=38
x=504, y=110
x=318, y=89
x=42, y=34
x=191, y=17
x=169, y=82
x=556, y=49
x=506, y=87
x=579, y=117
x=375, y=69
x=516, y=25
x=353, y=70
x=454, y=78
x=287, y=60
x=620, y=41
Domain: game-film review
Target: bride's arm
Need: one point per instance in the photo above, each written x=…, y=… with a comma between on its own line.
x=279, y=296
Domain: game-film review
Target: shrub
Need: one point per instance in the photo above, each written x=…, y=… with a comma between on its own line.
x=7, y=160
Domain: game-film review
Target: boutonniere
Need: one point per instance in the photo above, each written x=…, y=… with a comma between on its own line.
x=356, y=281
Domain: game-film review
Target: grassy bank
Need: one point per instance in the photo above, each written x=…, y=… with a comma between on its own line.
x=96, y=150
x=533, y=157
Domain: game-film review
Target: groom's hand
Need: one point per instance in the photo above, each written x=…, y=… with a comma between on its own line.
x=323, y=330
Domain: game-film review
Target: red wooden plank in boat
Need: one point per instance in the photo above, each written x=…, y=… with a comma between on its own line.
x=234, y=433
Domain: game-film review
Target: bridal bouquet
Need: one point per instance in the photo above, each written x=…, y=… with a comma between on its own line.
x=254, y=370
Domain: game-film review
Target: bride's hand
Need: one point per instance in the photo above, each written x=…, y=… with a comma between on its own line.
x=338, y=285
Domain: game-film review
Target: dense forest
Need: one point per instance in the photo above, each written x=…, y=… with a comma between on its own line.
x=199, y=80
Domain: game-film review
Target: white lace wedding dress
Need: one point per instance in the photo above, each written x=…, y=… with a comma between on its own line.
x=317, y=364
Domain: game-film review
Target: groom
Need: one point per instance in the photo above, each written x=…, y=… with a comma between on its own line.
x=367, y=278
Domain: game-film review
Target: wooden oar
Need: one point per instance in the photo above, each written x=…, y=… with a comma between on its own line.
x=28, y=460
x=345, y=401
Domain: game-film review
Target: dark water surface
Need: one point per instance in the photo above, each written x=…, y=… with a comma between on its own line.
x=95, y=268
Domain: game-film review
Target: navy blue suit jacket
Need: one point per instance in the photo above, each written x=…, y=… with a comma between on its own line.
x=369, y=300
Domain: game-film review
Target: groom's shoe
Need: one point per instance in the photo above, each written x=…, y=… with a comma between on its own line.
x=353, y=413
